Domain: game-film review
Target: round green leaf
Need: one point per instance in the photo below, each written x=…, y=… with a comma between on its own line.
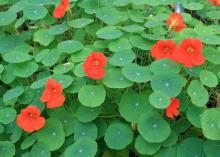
x=7, y=115
x=79, y=71
x=52, y=135
x=39, y=150
x=159, y=100
x=58, y=29
x=210, y=123
x=210, y=39
x=212, y=55
x=133, y=105
x=146, y=148
x=28, y=141
x=140, y=42
x=64, y=80
x=136, y=73
x=208, y=78
x=198, y=94
x=193, y=114
x=211, y=148
x=133, y=28
x=169, y=83
x=51, y=58
x=13, y=93
x=43, y=37
x=122, y=44
x=115, y=79
x=7, y=149
x=92, y=95
x=77, y=84
x=70, y=46
x=61, y=69
x=193, y=6
x=86, y=114
x=16, y=57
x=79, y=23
x=109, y=32
x=191, y=147
x=85, y=130
x=163, y=66
x=118, y=132
x=82, y=55
x=25, y=70
x=153, y=127
x=84, y=147
x=34, y=12
x=7, y=17
x=122, y=57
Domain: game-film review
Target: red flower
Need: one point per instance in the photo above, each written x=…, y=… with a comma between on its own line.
x=53, y=94
x=172, y=109
x=30, y=120
x=163, y=49
x=216, y=2
x=175, y=21
x=61, y=9
x=189, y=53
x=94, y=65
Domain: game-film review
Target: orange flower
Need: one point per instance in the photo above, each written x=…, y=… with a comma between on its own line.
x=172, y=109
x=175, y=21
x=189, y=53
x=30, y=120
x=94, y=65
x=53, y=94
x=163, y=49
x=61, y=9
x=216, y=2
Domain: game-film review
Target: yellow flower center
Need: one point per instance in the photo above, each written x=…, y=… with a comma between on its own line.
x=190, y=49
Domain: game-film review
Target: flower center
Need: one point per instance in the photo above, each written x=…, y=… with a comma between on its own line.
x=190, y=49
x=96, y=62
x=166, y=49
x=30, y=115
x=55, y=90
x=174, y=23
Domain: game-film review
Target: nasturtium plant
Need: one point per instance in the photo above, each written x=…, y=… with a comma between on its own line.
x=109, y=78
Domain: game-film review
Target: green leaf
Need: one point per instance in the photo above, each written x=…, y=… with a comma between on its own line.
x=39, y=150
x=191, y=147
x=66, y=118
x=92, y=95
x=80, y=23
x=133, y=28
x=119, y=132
x=193, y=115
x=64, y=80
x=114, y=79
x=13, y=93
x=198, y=94
x=140, y=42
x=133, y=105
x=211, y=148
x=163, y=66
x=7, y=17
x=25, y=70
x=7, y=149
x=82, y=55
x=169, y=83
x=210, y=123
x=136, y=73
x=212, y=55
x=77, y=84
x=153, y=127
x=108, y=15
x=7, y=115
x=122, y=44
x=43, y=37
x=121, y=3
x=159, y=100
x=85, y=130
x=52, y=135
x=85, y=147
x=79, y=71
x=28, y=141
x=146, y=148
x=16, y=57
x=86, y=114
x=109, y=32
x=208, y=78
x=51, y=58
x=58, y=29
x=70, y=46
x=193, y=6
x=210, y=39
x=34, y=12
x=148, y=2
x=122, y=57
x=16, y=134
x=64, y=68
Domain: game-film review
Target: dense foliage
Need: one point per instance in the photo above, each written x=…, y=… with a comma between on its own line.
x=109, y=78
